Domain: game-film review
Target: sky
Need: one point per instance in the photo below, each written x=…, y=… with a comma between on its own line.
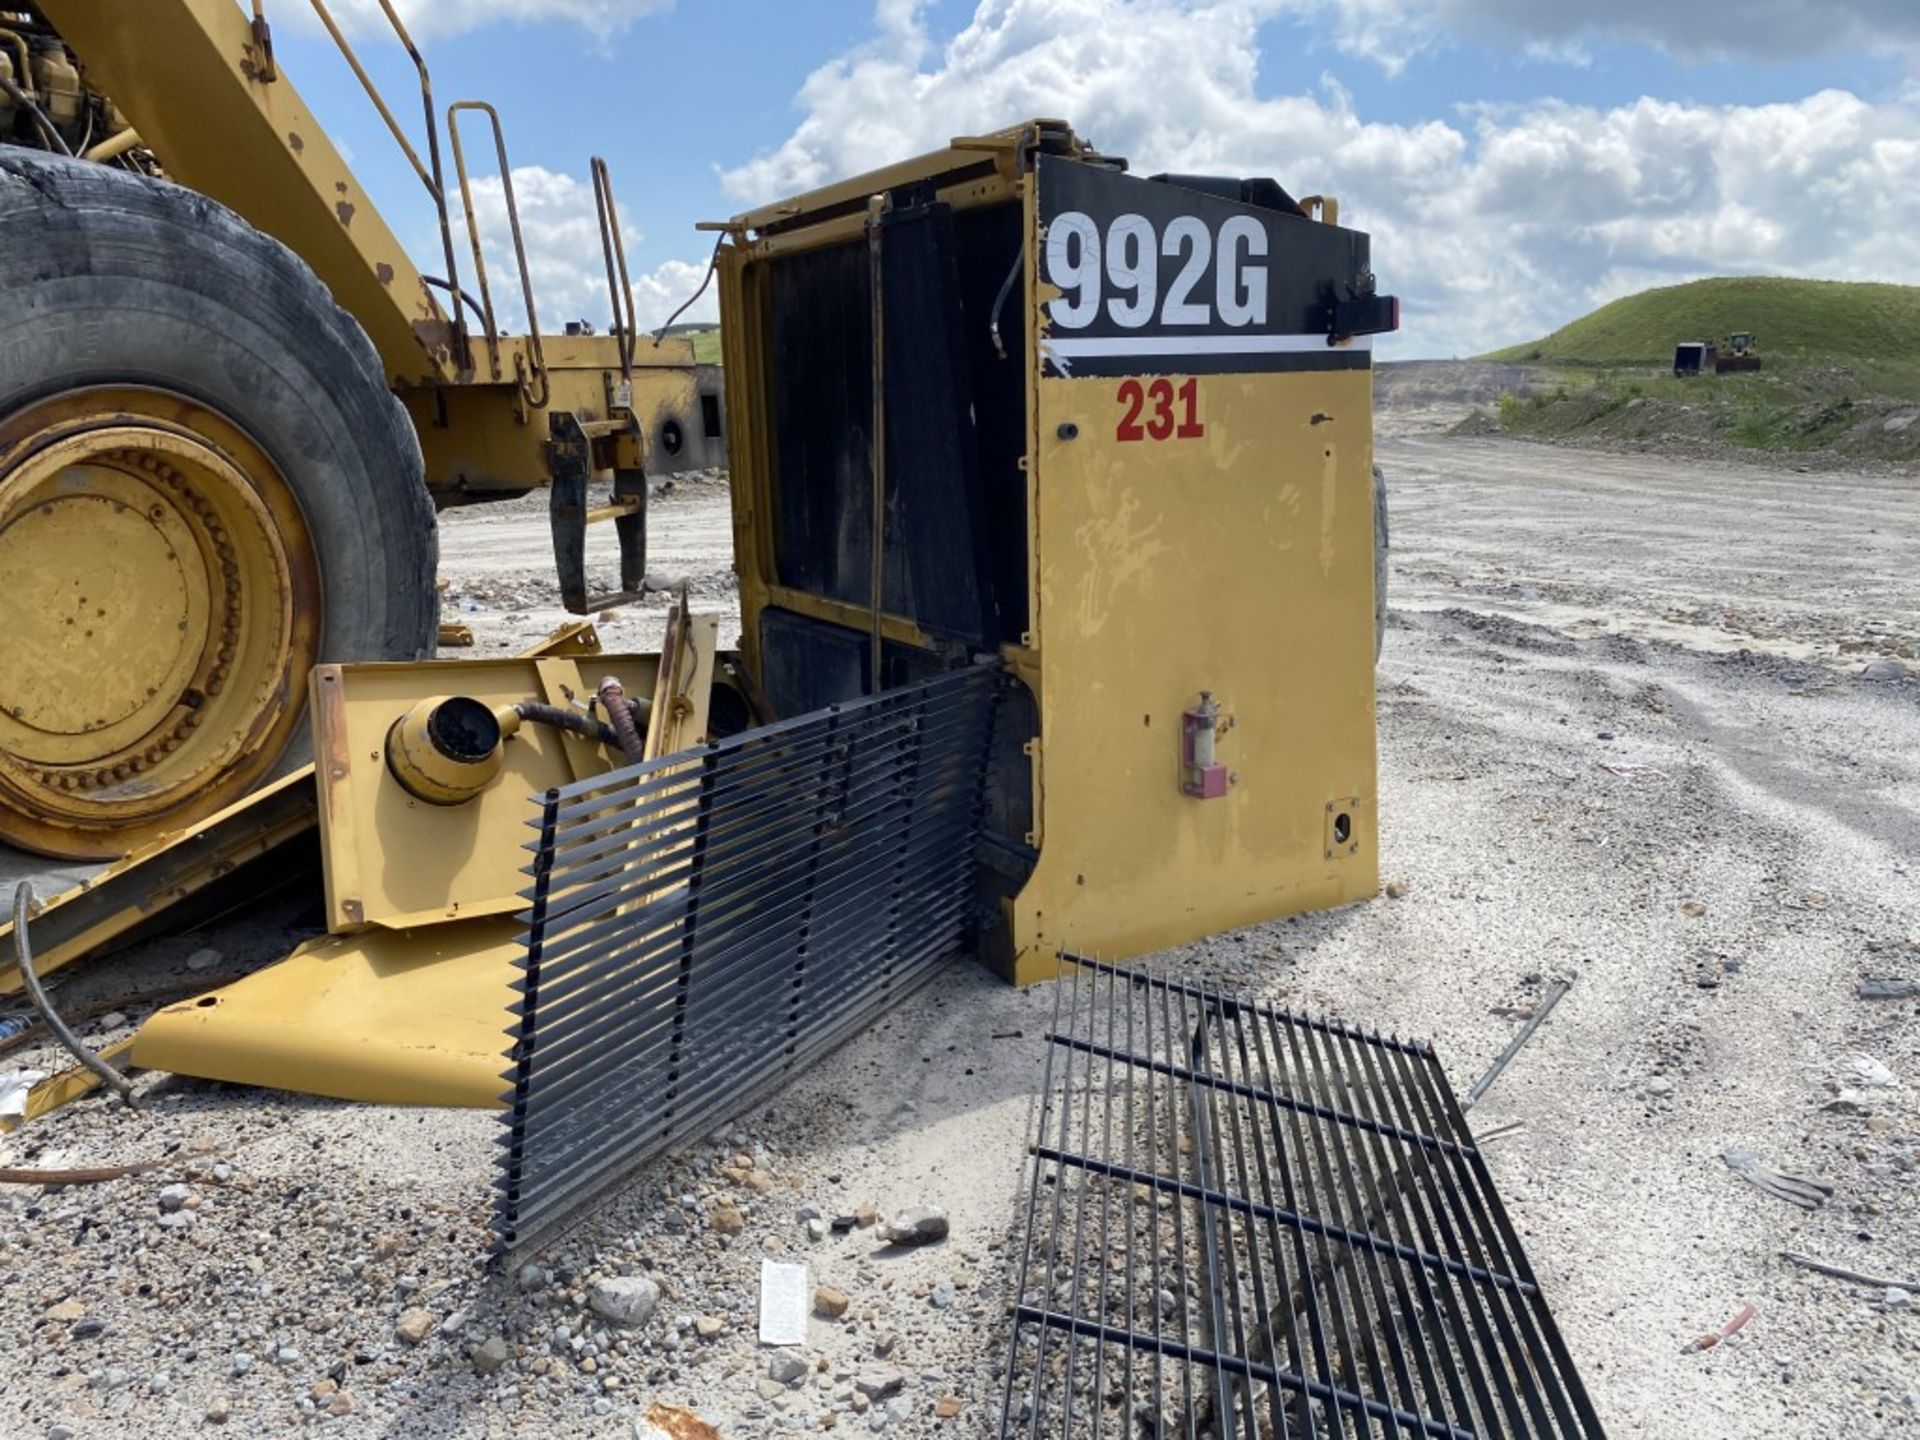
x=1517, y=162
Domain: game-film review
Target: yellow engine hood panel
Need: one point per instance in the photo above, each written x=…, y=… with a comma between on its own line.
x=386, y=1016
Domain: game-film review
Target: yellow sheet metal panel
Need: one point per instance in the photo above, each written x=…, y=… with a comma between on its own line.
x=393, y=1018
x=79, y=921
x=396, y=861
x=189, y=76
x=1200, y=507
x=1241, y=563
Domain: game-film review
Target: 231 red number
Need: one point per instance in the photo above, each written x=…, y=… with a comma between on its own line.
x=1161, y=422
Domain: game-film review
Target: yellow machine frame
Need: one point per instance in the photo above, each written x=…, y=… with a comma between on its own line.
x=1239, y=564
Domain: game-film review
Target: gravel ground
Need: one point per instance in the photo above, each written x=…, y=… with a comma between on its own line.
x=1626, y=740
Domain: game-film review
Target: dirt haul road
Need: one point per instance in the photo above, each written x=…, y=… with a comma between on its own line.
x=1624, y=741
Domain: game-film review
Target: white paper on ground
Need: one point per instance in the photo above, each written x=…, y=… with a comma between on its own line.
x=783, y=1303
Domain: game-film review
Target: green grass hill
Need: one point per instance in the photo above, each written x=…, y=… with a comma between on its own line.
x=1858, y=325
x=705, y=337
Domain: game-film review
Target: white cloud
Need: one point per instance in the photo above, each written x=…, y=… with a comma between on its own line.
x=1715, y=28
x=671, y=284
x=1493, y=226
x=565, y=260
x=1392, y=32
x=428, y=19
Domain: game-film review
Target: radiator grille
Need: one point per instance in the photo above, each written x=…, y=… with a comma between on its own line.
x=1248, y=1223
x=702, y=925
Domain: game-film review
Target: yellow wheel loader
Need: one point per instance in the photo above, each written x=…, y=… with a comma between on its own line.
x=230, y=404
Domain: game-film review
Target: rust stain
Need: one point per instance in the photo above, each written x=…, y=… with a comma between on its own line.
x=345, y=212
x=294, y=142
x=435, y=337
x=383, y=272
x=670, y=1422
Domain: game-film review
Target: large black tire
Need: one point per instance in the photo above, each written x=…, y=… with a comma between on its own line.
x=109, y=279
x=1381, y=544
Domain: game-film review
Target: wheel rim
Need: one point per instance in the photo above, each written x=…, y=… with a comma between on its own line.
x=157, y=621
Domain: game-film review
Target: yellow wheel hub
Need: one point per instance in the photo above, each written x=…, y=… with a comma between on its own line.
x=156, y=623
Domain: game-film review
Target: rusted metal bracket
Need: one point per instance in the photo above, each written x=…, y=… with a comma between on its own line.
x=574, y=451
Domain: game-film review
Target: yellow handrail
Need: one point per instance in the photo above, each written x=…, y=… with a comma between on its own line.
x=432, y=176
x=538, y=371
x=614, y=250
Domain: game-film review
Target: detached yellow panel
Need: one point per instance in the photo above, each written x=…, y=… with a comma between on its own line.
x=396, y=861
x=1240, y=562
x=79, y=921
x=388, y=1017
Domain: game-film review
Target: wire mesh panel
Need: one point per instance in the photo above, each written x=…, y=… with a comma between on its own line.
x=702, y=925
x=1247, y=1223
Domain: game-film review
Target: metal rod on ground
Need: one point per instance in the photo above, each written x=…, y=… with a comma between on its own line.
x=23, y=956
x=1840, y=1272
x=1555, y=993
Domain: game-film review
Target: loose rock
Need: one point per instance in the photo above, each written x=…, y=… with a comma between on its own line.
x=879, y=1385
x=413, y=1326
x=726, y=1220
x=490, y=1355
x=784, y=1367
x=1866, y=1070
x=917, y=1225
x=624, y=1299
x=830, y=1302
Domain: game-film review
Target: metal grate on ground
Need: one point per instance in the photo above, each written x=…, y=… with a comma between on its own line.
x=703, y=925
x=1248, y=1223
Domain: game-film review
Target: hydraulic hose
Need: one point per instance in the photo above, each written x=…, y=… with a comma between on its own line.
x=26, y=102
x=572, y=721
x=23, y=954
x=613, y=695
